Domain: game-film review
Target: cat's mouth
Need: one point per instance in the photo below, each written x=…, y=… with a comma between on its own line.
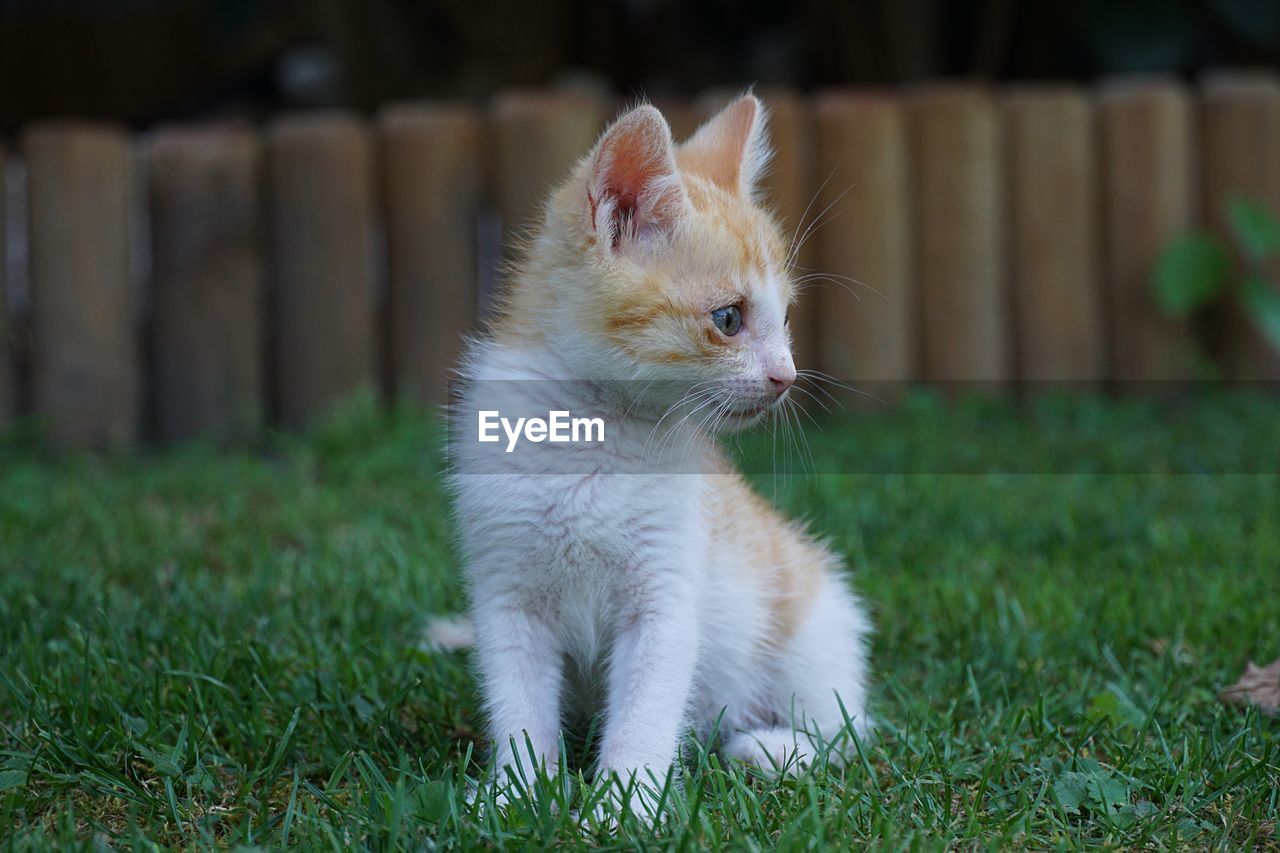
x=752, y=413
x=758, y=410
x=749, y=409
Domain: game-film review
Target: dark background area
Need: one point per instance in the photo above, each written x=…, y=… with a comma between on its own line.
x=146, y=60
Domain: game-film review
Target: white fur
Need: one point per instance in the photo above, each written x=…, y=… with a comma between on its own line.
x=606, y=578
x=449, y=633
x=601, y=571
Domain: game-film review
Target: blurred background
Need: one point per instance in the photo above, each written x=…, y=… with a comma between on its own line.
x=143, y=61
x=221, y=214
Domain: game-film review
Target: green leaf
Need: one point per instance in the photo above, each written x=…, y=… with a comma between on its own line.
x=136, y=725
x=363, y=707
x=1102, y=707
x=1255, y=227
x=434, y=799
x=201, y=778
x=164, y=765
x=1261, y=303
x=1114, y=705
x=1108, y=791
x=1130, y=815
x=11, y=779
x=1072, y=791
x=1143, y=808
x=1190, y=273
x=1092, y=788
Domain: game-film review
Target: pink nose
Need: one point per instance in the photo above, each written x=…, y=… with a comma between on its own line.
x=781, y=383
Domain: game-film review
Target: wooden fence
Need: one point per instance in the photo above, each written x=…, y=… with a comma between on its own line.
x=200, y=278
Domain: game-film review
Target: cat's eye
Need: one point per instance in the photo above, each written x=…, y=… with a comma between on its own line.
x=786, y=318
x=728, y=320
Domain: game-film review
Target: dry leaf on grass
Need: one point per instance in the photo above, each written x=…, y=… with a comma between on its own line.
x=1260, y=685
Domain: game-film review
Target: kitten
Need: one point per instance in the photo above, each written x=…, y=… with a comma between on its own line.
x=656, y=291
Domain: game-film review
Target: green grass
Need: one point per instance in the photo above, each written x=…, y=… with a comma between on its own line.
x=206, y=648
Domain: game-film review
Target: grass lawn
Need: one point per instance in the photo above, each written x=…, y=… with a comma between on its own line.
x=208, y=648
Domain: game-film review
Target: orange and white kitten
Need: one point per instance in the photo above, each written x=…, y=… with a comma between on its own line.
x=677, y=596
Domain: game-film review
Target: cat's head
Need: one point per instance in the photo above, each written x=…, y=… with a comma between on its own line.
x=669, y=269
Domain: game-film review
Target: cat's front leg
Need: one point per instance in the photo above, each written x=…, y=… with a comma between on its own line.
x=650, y=677
x=521, y=672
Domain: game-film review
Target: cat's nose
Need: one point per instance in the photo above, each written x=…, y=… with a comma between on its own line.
x=780, y=369
x=781, y=381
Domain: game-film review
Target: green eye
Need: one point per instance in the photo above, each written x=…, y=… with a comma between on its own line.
x=728, y=320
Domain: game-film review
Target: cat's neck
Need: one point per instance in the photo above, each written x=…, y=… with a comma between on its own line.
x=531, y=375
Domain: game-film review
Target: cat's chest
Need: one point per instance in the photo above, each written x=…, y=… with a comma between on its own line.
x=613, y=522
x=603, y=541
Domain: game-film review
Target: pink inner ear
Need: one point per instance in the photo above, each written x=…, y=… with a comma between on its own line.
x=624, y=214
x=629, y=175
x=634, y=188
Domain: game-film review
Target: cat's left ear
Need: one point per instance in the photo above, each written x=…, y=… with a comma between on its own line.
x=634, y=194
x=731, y=148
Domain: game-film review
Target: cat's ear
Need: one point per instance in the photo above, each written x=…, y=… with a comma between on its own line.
x=731, y=148
x=634, y=194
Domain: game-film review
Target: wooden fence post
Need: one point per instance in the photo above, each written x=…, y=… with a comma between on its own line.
x=207, y=281
x=1054, y=235
x=7, y=377
x=1148, y=162
x=866, y=328
x=960, y=231
x=321, y=219
x=539, y=136
x=431, y=171
x=85, y=354
x=1240, y=123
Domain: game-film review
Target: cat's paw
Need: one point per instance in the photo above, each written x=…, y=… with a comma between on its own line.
x=774, y=751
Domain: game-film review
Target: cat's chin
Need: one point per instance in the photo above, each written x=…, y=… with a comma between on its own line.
x=744, y=419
